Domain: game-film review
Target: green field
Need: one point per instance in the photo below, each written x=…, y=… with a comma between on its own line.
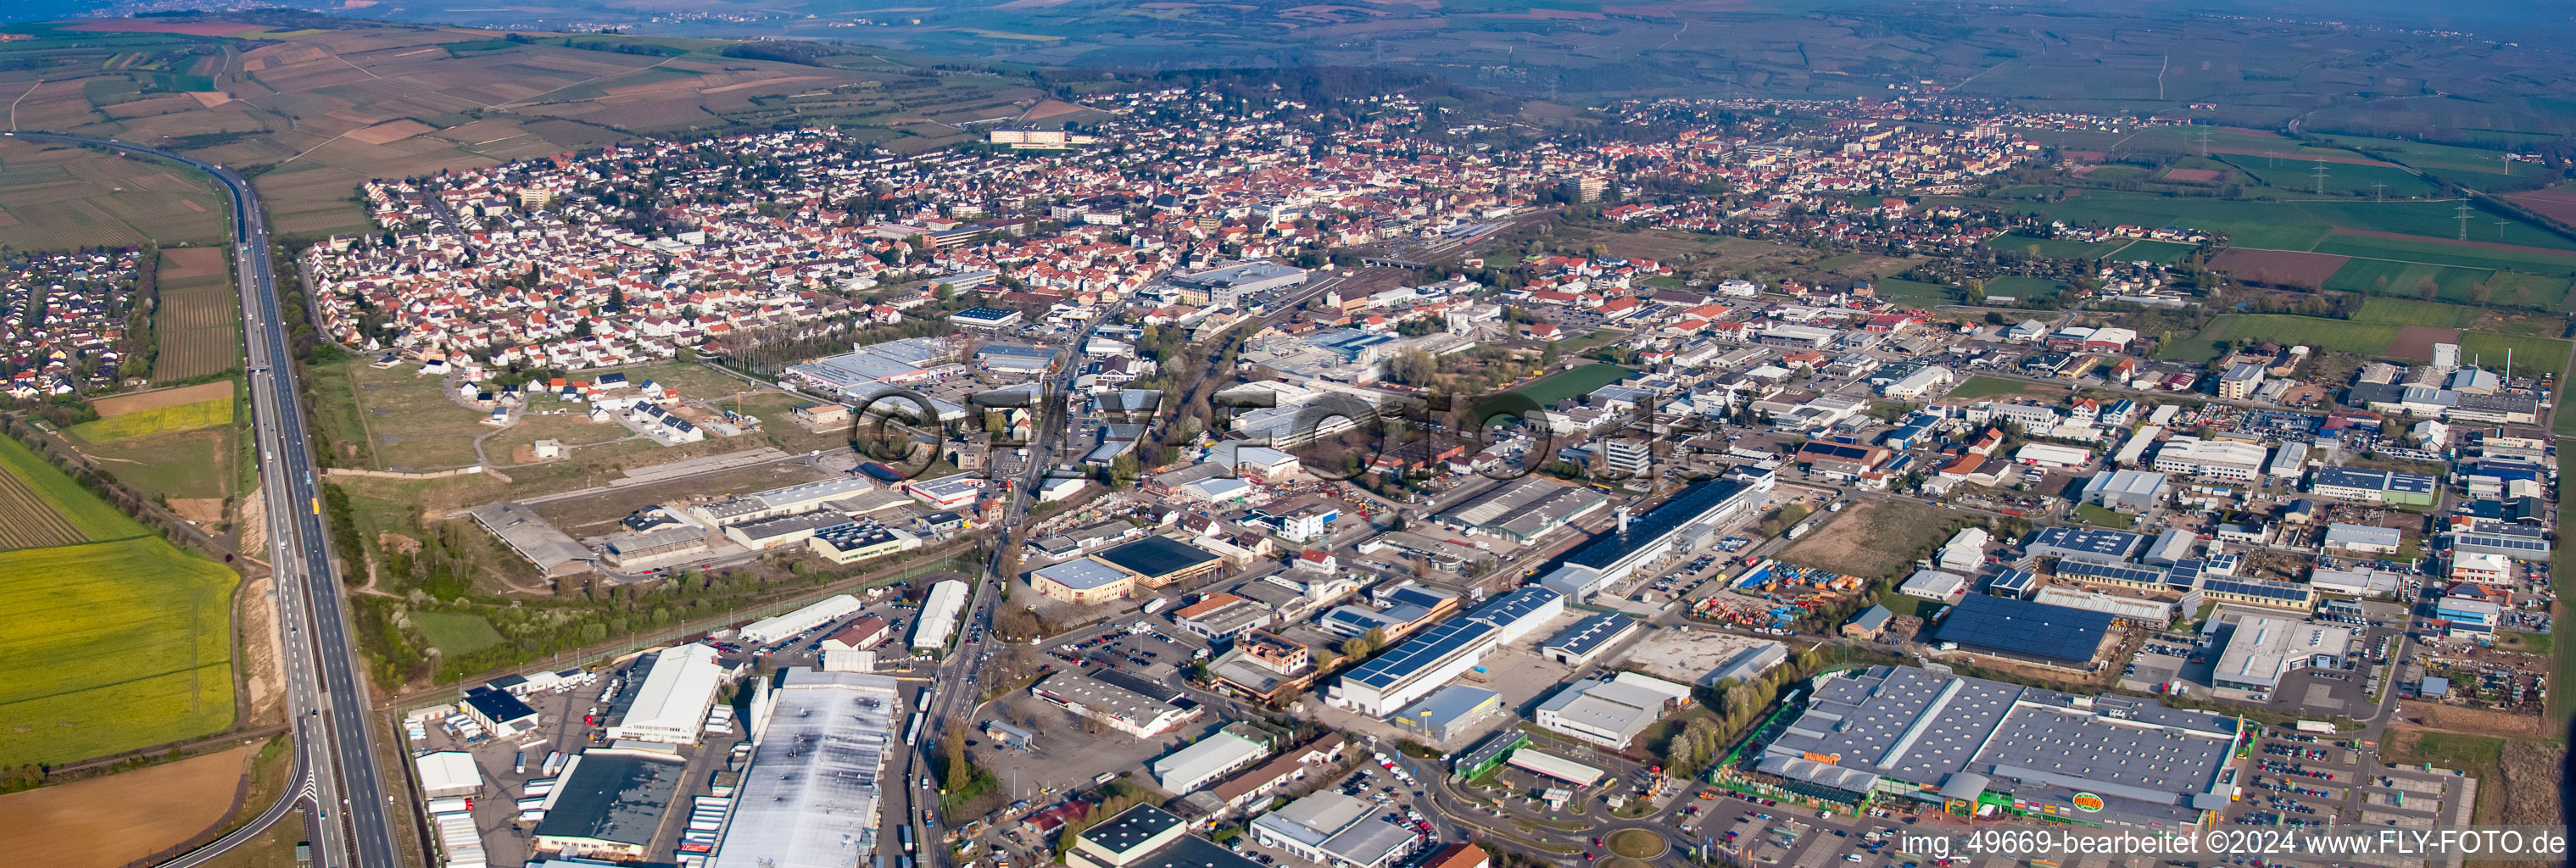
x=2024, y=288
x=94, y=518
x=2530, y=354
x=2342, y=179
x=1914, y=290
x=2053, y=248
x=2363, y=338
x=178, y=417
x=1579, y=381
x=2282, y=225
x=2410, y=312
x=1977, y=387
x=2442, y=251
x=111, y=646
x=2471, y=167
x=455, y=635
x=2406, y=279
x=2158, y=252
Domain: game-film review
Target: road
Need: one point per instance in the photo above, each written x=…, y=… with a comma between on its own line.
x=353, y=828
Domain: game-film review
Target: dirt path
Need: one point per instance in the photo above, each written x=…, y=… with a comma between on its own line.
x=264, y=652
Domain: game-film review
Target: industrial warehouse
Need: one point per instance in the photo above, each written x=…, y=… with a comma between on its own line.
x=1985, y=748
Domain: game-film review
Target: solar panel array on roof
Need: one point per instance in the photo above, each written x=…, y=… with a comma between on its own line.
x=2185, y=574
x=2108, y=572
x=1420, y=651
x=2253, y=588
x=1822, y=449
x=1516, y=605
x=2022, y=627
x=1684, y=508
x=2011, y=583
x=2499, y=543
x=2102, y=542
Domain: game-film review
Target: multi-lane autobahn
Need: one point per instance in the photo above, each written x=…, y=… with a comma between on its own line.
x=354, y=828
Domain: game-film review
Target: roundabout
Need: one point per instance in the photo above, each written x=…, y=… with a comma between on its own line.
x=1638, y=844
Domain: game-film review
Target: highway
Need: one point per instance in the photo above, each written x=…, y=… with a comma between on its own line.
x=353, y=828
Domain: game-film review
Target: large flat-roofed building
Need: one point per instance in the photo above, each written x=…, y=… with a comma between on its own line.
x=1423, y=663
x=2375, y=486
x=1148, y=837
x=1612, y=712
x=1123, y=708
x=793, y=499
x=1161, y=561
x=2227, y=460
x=940, y=610
x=1330, y=828
x=1125, y=839
x=672, y=696
x=1522, y=509
x=811, y=797
x=1687, y=521
x=986, y=318
x=1082, y=582
x=505, y=715
x=859, y=541
x=780, y=628
x=555, y=553
x=1587, y=639
x=785, y=530
x=947, y=492
x=2084, y=544
x=2262, y=647
x=2158, y=614
x=1987, y=749
x=1230, y=749
x=2023, y=630
x=1448, y=713
x=608, y=803
x=2259, y=592
x=2131, y=491
x=893, y=363
x=1234, y=285
x=2521, y=544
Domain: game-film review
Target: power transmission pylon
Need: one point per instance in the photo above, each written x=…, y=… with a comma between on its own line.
x=2321, y=177
x=2464, y=221
x=2379, y=190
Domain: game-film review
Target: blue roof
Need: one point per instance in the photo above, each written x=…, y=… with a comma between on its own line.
x=1688, y=506
x=2011, y=581
x=2023, y=627
x=1417, y=595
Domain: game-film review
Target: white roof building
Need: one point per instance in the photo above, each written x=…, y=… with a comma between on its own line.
x=1934, y=585
x=1613, y=712
x=939, y=613
x=448, y=773
x=671, y=702
x=1221, y=753
x=809, y=799
x=780, y=628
